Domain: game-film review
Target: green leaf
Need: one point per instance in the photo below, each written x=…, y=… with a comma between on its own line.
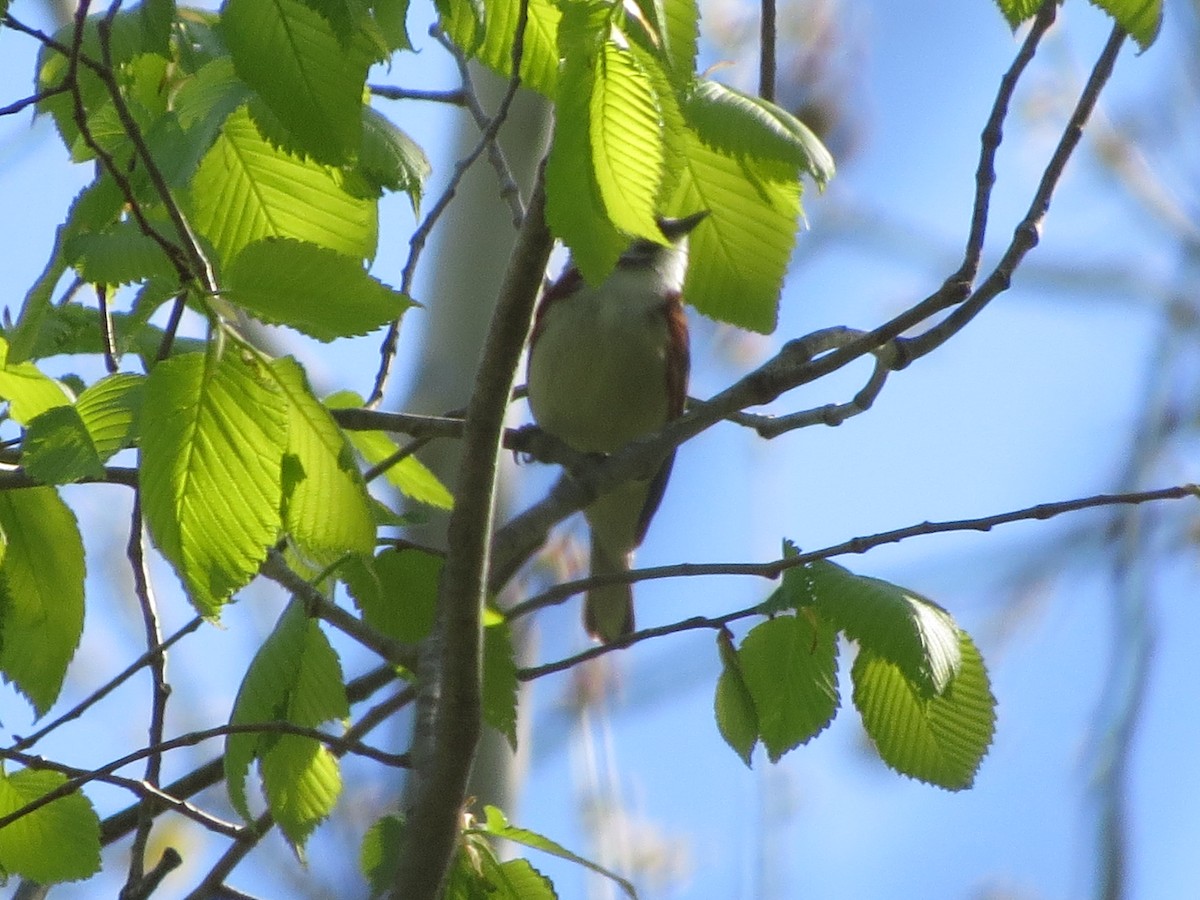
x=1017, y=11
x=379, y=856
x=314, y=83
x=742, y=125
x=497, y=825
x=681, y=34
x=28, y=391
x=391, y=16
x=58, y=842
x=207, y=98
x=740, y=255
x=327, y=510
x=214, y=432
x=410, y=476
x=574, y=209
x=323, y=293
x=397, y=591
x=540, y=53
x=157, y=18
x=111, y=411
x=41, y=592
x=245, y=190
x=626, y=138
x=937, y=739
x=391, y=159
x=58, y=449
x=737, y=719
x=1141, y=18
x=477, y=873
x=295, y=677
x=899, y=625
x=517, y=879
x=121, y=254
x=789, y=664
x=500, y=681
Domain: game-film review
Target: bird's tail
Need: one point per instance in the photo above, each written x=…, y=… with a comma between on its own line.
x=608, y=610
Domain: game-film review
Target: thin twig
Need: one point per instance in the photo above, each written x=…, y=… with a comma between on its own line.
x=148, y=793
x=767, y=34
x=1027, y=233
x=456, y=97
x=387, y=351
x=107, y=334
x=993, y=134
x=27, y=102
x=772, y=569
x=229, y=860
x=509, y=191
x=75, y=57
x=831, y=414
x=317, y=605
x=104, y=690
x=344, y=744
x=205, y=776
x=160, y=689
x=856, y=545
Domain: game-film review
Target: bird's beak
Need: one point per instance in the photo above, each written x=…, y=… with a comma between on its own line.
x=674, y=229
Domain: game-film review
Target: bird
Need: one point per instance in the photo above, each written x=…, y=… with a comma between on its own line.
x=609, y=363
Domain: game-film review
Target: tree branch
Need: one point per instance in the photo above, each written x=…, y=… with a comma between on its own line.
x=448, y=705
x=774, y=568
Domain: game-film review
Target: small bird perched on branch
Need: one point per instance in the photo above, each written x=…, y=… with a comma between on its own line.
x=608, y=364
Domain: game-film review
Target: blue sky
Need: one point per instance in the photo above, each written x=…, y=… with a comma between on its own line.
x=1032, y=402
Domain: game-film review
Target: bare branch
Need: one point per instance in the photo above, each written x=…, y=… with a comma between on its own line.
x=160, y=689
x=448, y=725
x=455, y=97
x=100, y=693
x=420, y=236
x=147, y=792
x=773, y=569
x=340, y=745
x=993, y=134
x=317, y=605
x=1027, y=233
x=766, y=49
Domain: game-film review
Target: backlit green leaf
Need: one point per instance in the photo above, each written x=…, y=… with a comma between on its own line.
x=500, y=681
x=737, y=719
x=626, y=140
x=743, y=125
x=290, y=55
x=410, y=476
x=41, y=592
x=295, y=677
x=939, y=739
x=214, y=432
x=903, y=627
x=321, y=292
x=391, y=159
x=58, y=842
x=397, y=592
x=58, y=449
x=497, y=825
x=739, y=255
x=574, y=208
x=539, y=57
x=246, y=190
x=326, y=509
x=789, y=664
